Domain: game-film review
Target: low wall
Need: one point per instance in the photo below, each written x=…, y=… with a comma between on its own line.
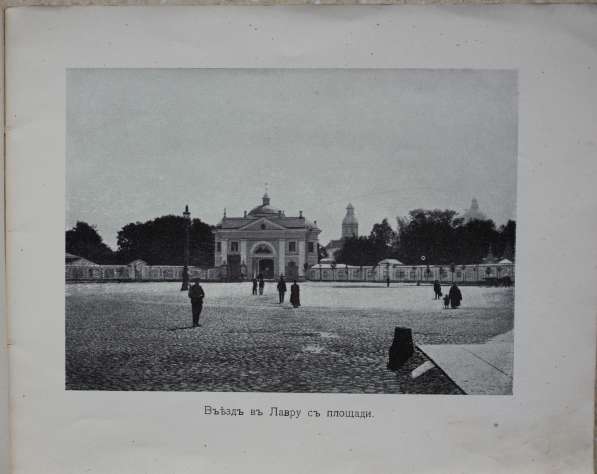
x=482, y=273
x=131, y=273
x=474, y=274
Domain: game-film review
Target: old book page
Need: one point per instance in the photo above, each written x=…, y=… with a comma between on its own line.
x=301, y=239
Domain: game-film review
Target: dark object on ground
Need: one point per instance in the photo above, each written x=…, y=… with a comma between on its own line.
x=437, y=290
x=455, y=296
x=402, y=348
x=281, y=289
x=295, y=298
x=196, y=294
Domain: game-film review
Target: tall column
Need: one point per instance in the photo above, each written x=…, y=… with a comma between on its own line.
x=301, y=262
x=224, y=252
x=243, y=252
x=281, y=257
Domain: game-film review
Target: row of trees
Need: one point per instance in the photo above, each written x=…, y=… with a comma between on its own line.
x=159, y=242
x=439, y=235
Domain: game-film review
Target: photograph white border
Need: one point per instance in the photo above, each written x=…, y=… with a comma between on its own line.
x=546, y=426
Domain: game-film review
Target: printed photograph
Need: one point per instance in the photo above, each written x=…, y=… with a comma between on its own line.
x=291, y=230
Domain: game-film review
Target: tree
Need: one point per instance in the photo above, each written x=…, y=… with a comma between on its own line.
x=84, y=240
x=358, y=251
x=429, y=233
x=382, y=239
x=474, y=239
x=507, y=240
x=161, y=242
x=444, y=238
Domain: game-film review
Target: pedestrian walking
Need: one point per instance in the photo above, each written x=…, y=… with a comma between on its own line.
x=196, y=294
x=295, y=296
x=254, y=285
x=455, y=296
x=261, y=283
x=388, y=281
x=281, y=288
x=437, y=289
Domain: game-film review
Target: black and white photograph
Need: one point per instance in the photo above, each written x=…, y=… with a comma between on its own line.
x=313, y=230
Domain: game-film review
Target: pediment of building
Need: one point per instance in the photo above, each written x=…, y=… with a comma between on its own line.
x=262, y=224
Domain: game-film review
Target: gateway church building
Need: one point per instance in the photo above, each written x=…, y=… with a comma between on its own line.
x=266, y=241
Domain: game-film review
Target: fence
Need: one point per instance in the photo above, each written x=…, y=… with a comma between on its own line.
x=482, y=273
x=139, y=271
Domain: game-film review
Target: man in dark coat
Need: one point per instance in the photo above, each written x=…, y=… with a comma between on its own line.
x=261, y=283
x=295, y=298
x=196, y=294
x=281, y=288
x=455, y=296
x=437, y=289
x=254, y=285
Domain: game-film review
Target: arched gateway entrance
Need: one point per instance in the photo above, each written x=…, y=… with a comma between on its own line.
x=266, y=267
x=263, y=258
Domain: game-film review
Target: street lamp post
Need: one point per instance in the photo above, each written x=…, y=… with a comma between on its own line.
x=185, y=270
x=388, y=273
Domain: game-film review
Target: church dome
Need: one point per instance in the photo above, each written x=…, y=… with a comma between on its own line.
x=265, y=210
x=473, y=213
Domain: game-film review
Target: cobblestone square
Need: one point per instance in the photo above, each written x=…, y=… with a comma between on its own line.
x=137, y=336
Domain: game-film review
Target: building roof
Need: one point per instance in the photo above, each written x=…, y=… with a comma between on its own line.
x=273, y=215
x=72, y=259
x=338, y=266
x=287, y=222
x=265, y=210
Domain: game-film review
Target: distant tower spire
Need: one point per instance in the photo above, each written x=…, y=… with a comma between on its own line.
x=266, y=196
x=350, y=224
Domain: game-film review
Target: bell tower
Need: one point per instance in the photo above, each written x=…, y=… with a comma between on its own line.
x=350, y=224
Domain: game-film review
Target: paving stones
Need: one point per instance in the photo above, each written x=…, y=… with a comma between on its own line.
x=136, y=337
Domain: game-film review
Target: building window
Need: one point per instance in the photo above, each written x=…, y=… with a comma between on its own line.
x=234, y=246
x=292, y=246
x=218, y=246
x=311, y=247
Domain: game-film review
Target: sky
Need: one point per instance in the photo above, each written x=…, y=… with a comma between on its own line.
x=142, y=143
